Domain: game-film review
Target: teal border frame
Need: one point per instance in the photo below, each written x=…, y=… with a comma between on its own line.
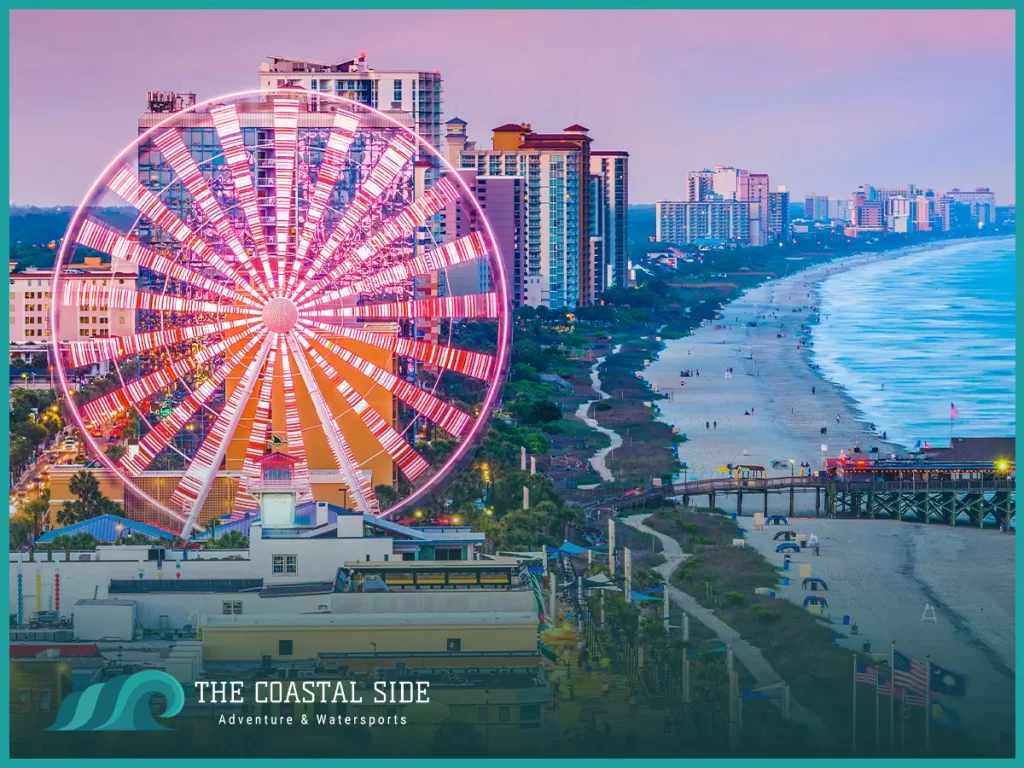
x=624, y=5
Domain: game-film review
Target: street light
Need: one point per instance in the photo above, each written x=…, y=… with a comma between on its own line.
x=121, y=529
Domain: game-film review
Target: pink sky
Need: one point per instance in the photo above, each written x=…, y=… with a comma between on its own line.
x=821, y=100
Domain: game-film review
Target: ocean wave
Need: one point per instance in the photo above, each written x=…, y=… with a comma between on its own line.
x=934, y=327
x=120, y=704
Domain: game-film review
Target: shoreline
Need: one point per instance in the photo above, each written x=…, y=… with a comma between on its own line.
x=773, y=368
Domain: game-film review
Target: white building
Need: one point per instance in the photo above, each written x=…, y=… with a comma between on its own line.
x=31, y=300
x=613, y=168
x=410, y=92
x=684, y=221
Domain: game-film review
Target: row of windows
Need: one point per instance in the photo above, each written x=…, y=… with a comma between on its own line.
x=287, y=565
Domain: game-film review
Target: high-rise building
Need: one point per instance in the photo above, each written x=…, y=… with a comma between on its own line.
x=700, y=185
x=816, y=207
x=839, y=209
x=712, y=221
x=778, y=215
x=414, y=93
x=501, y=200
x=756, y=196
x=981, y=201
x=613, y=167
x=867, y=213
x=600, y=268
x=31, y=297
x=730, y=183
x=556, y=258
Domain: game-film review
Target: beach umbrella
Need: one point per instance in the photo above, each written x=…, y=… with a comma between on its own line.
x=722, y=469
x=824, y=447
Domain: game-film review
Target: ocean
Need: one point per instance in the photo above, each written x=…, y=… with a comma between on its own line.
x=936, y=327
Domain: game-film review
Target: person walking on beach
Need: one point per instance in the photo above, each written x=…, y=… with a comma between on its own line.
x=707, y=425
x=814, y=390
x=837, y=418
x=714, y=424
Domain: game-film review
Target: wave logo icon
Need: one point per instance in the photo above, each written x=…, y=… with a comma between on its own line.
x=121, y=704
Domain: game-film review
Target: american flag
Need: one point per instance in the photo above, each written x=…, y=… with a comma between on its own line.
x=912, y=699
x=866, y=675
x=953, y=412
x=909, y=674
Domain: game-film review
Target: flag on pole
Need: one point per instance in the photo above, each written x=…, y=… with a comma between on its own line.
x=866, y=675
x=947, y=681
x=913, y=699
x=943, y=715
x=953, y=412
x=910, y=674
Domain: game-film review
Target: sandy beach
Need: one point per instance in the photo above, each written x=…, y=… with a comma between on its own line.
x=774, y=405
x=883, y=573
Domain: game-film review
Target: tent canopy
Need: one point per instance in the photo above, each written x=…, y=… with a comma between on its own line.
x=815, y=580
x=776, y=520
x=784, y=535
x=787, y=547
x=815, y=600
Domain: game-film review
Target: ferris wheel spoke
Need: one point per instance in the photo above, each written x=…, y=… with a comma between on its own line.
x=286, y=134
x=472, y=307
x=451, y=419
x=258, y=435
x=160, y=436
x=461, y=251
x=128, y=187
x=293, y=427
x=95, y=351
x=403, y=454
x=342, y=133
x=359, y=488
x=195, y=484
x=80, y=294
x=477, y=365
x=105, y=409
x=229, y=131
x=384, y=172
x=180, y=159
x=397, y=227
x=100, y=237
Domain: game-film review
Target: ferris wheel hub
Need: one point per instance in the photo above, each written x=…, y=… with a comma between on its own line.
x=280, y=315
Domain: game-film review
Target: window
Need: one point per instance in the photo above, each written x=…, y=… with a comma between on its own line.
x=284, y=647
x=287, y=565
x=232, y=607
x=454, y=644
x=504, y=714
x=44, y=701
x=24, y=701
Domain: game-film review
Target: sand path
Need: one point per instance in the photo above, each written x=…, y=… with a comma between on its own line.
x=598, y=460
x=748, y=655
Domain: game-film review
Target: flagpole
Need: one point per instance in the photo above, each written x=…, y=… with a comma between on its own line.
x=853, y=721
x=927, y=701
x=892, y=695
x=903, y=723
x=878, y=720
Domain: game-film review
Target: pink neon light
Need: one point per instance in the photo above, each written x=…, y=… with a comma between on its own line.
x=399, y=226
x=497, y=271
x=286, y=135
x=446, y=416
x=345, y=125
x=258, y=436
x=399, y=152
x=98, y=236
x=482, y=305
x=180, y=159
x=403, y=454
x=225, y=121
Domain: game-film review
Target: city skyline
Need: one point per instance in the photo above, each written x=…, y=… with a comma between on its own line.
x=787, y=100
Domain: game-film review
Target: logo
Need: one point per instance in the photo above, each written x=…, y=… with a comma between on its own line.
x=120, y=704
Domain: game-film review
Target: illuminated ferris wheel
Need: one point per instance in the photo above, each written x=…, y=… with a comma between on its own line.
x=294, y=285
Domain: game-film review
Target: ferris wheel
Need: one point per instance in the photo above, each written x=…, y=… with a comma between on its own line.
x=295, y=256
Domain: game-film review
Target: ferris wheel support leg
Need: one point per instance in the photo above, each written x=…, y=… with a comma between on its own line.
x=339, y=447
x=234, y=414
